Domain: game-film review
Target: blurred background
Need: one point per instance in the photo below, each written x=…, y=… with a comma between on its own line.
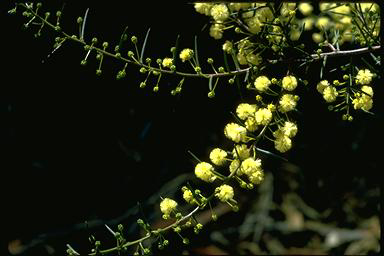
x=81, y=151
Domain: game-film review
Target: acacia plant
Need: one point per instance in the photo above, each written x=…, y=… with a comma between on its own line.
x=255, y=39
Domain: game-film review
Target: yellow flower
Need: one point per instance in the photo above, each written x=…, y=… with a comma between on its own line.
x=251, y=124
x=254, y=59
x=289, y=83
x=289, y=129
x=241, y=151
x=250, y=166
x=364, y=101
x=235, y=166
x=219, y=12
x=235, y=132
x=364, y=76
x=254, y=25
x=262, y=83
x=203, y=8
x=317, y=37
x=257, y=177
x=283, y=143
x=188, y=196
x=167, y=206
x=322, y=85
x=263, y=116
x=186, y=54
x=167, y=62
x=322, y=23
x=204, y=171
x=224, y=192
x=216, y=30
x=287, y=103
x=218, y=156
x=330, y=93
x=305, y=8
x=227, y=47
x=244, y=110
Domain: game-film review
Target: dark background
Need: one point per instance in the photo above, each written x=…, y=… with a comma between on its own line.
x=78, y=147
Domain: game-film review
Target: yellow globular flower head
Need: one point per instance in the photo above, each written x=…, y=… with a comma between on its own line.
x=186, y=54
x=289, y=129
x=287, y=103
x=289, y=83
x=244, y=110
x=305, y=8
x=250, y=166
x=254, y=25
x=263, y=116
x=235, y=166
x=322, y=23
x=224, y=192
x=203, y=8
x=262, y=83
x=204, y=171
x=264, y=14
x=364, y=100
x=235, y=132
x=364, y=76
x=188, y=196
x=228, y=46
x=167, y=205
x=254, y=59
x=317, y=37
x=308, y=21
x=251, y=124
x=241, y=151
x=167, y=62
x=330, y=93
x=218, y=156
x=322, y=85
x=257, y=177
x=283, y=143
x=216, y=30
x=219, y=12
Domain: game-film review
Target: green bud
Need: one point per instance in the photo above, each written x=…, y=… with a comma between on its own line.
x=185, y=240
x=210, y=61
x=98, y=72
x=146, y=251
x=344, y=117
x=231, y=81
x=134, y=39
x=211, y=94
x=156, y=73
x=120, y=227
x=188, y=223
x=117, y=48
x=58, y=14
x=173, y=68
x=87, y=47
x=74, y=37
x=97, y=244
x=221, y=70
x=142, y=84
x=173, y=92
x=105, y=45
x=121, y=74
x=197, y=192
x=159, y=61
x=345, y=77
x=214, y=217
x=140, y=222
x=160, y=246
x=130, y=54
x=47, y=14
x=83, y=62
x=177, y=229
x=98, y=56
x=165, y=242
x=199, y=226
x=336, y=82
x=156, y=89
x=235, y=208
x=178, y=89
x=198, y=69
x=350, y=118
x=237, y=30
x=319, y=51
x=79, y=20
x=38, y=5
x=330, y=107
x=173, y=49
x=250, y=186
x=148, y=60
x=143, y=70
